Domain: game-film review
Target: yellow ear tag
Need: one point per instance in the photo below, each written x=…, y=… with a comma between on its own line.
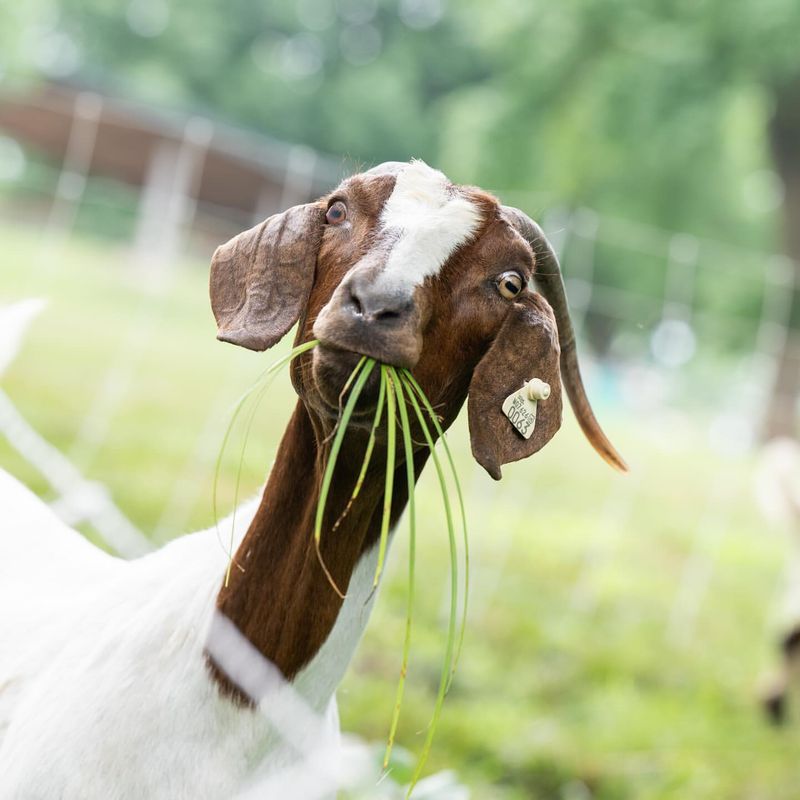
x=520, y=407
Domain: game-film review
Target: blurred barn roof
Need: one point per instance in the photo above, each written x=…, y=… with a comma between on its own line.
x=181, y=163
x=238, y=162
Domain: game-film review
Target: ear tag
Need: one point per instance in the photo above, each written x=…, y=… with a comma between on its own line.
x=520, y=407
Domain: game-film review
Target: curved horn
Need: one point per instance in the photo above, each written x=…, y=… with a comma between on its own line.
x=550, y=283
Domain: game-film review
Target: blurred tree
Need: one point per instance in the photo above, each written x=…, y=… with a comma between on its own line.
x=20, y=28
x=623, y=104
x=356, y=77
x=662, y=110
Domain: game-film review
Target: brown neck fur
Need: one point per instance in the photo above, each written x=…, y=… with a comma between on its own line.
x=278, y=595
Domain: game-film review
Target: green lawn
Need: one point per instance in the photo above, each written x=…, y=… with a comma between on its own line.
x=570, y=686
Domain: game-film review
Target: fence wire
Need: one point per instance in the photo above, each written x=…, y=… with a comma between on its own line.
x=667, y=343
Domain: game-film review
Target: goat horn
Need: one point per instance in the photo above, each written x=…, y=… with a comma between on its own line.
x=550, y=283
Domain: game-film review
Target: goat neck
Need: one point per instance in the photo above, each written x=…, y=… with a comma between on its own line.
x=278, y=594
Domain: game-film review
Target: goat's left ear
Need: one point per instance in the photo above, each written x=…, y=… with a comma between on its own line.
x=262, y=278
x=526, y=347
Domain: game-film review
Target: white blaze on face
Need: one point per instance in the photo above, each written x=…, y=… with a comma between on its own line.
x=431, y=220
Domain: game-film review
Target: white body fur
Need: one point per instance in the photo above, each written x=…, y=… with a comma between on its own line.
x=104, y=691
x=431, y=218
x=14, y=321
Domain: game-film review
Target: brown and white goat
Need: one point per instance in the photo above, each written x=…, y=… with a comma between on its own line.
x=114, y=668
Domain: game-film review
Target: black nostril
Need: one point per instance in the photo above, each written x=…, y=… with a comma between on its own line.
x=372, y=305
x=385, y=315
x=355, y=304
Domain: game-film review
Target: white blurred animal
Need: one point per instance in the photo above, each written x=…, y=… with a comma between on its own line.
x=14, y=322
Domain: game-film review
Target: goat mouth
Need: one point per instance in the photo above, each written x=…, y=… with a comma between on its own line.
x=332, y=370
x=391, y=344
x=349, y=355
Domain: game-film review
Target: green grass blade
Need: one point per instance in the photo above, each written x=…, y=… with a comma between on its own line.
x=341, y=427
x=391, y=434
x=460, y=494
x=451, y=629
x=239, y=469
x=267, y=374
x=367, y=453
x=366, y=368
x=349, y=382
x=412, y=546
x=372, y=434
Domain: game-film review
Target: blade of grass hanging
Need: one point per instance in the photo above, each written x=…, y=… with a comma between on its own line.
x=391, y=434
x=349, y=382
x=237, y=407
x=412, y=555
x=344, y=420
x=364, y=368
x=451, y=628
x=248, y=426
x=367, y=453
x=268, y=373
x=432, y=414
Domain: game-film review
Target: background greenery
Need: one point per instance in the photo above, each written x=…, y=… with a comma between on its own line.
x=664, y=112
x=573, y=683
x=655, y=109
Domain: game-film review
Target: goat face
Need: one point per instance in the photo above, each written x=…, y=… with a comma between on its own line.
x=399, y=264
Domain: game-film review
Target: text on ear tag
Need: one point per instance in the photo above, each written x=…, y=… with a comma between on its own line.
x=520, y=407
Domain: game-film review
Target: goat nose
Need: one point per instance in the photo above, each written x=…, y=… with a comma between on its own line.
x=374, y=305
x=375, y=320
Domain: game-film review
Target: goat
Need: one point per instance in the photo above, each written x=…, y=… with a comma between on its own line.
x=110, y=686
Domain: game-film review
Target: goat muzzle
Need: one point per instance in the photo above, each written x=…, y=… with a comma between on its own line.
x=363, y=318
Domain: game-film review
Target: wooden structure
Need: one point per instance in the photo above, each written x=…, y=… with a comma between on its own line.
x=183, y=166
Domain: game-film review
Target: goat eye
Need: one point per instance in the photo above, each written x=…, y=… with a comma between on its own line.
x=509, y=284
x=337, y=213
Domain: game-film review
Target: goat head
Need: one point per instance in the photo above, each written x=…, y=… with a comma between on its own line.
x=402, y=265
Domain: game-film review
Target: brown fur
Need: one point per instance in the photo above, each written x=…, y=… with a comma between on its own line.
x=279, y=597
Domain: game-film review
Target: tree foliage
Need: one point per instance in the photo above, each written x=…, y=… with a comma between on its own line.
x=647, y=110
x=654, y=109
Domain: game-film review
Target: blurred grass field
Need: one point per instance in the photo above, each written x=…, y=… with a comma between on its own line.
x=570, y=685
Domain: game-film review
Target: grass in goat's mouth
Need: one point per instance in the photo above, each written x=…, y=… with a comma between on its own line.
x=399, y=396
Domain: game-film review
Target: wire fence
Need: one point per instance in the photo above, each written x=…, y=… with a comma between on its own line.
x=661, y=366
x=656, y=359
x=653, y=364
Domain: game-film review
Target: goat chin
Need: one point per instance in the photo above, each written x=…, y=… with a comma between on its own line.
x=88, y=640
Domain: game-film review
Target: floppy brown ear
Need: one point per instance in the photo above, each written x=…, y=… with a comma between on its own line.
x=526, y=347
x=261, y=279
x=550, y=283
